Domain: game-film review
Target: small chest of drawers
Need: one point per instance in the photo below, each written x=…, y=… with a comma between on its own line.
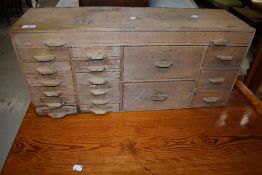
x=110, y=59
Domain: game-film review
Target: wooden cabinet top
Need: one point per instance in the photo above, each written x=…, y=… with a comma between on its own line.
x=128, y=19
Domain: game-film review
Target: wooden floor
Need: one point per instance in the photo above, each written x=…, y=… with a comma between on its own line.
x=224, y=141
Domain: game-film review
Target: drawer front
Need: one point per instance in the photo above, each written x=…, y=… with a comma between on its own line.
x=217, y=79
x=224, y=57
x=99, y=110
x=157, y=95
x=100, y=97
x=38, y=80
x=46, y=68
x=111, y=86
x=46, y=101
x=100, y=78
x=204, y=98
x=44, y=55
x=165, y=62
x=62, y=89
x=96, y=53
x=56, y=112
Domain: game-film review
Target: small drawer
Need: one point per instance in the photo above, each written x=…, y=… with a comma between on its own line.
x=217, y=79
x=99, y=78
x=162, y=62
x=44, y=55
x=96, y=53
x=99, y=109
x=99, y=98
x=204, y=98
x=38, y=80
x=224, y=57
x=111, y=86
x=56, y=112
x=46, y=68
x=62, y=89
x=157, y=95
x=45, y=101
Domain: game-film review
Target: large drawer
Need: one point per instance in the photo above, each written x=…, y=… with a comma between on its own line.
x=157, y=95
x=217, y=79
x=224, y=57
x=44, y=68
x=38, y=80
x=162, y=62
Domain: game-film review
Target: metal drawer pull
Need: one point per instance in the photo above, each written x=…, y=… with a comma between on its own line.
x=159, y=97
x=44, y=58
x=50, y=83
x=55, y=43
x=52, y=93
x=219, y=42
x=95, y=55
x=98, y=81
x=210, y=99
x=99, y=101
x=54, y=105
x=225, y=58
x=45, y=70
x=216, y=80
x=99, y=111
x=96, y=68
x=97, y=92
x=164, y=64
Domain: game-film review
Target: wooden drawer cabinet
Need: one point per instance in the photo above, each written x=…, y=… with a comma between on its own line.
x=106, y=59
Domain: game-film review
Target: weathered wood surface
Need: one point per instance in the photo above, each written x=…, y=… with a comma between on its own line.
x=218, y=141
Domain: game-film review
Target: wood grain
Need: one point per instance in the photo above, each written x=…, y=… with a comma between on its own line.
x=218, y=141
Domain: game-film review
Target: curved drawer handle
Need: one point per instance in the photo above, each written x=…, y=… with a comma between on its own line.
x=98, y=81
x=225, y=58
x=50, y=83
x=99, y=101
x=96, y=68
x=216, y=80
x=219, y=42
x=54, y=105
x=44, y=58
x=92, y=56
x=52, y=93
x=45, y=70
x=99, y=111
x=98, y=92
x=162, y=97
x=164, y=64
x=210, y=99
x=55, y=43
x=57, y=114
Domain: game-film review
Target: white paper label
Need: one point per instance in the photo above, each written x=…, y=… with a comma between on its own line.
x=29, y=26
x=77, y=167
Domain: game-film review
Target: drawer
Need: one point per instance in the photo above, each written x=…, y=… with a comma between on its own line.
x=47, y=68
x=99, y=109
x=62, y=89
x=107, y=65
x=157, y=95
x=99, y=97
x=45, y=101
x=112, y=86
x=162, y=62
x=204, y=98
x=44, y=55
x=224, y=57
x=56, y=112
x=38, y=80
x=217, y=79
x=99, y=78
x=96, y=53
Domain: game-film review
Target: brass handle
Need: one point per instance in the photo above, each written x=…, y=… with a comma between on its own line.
x=99, y=101
x=50, y=83
x=216, y=80
x=164, y=64
x=97, y=92
x=210, y=99
x=52, y=93
x=99, y=111
x=54, y=105
x=55, y=43
x=44, y=58
x=45, y=70
x=219, y=42
x=162, y=97
x=97, y=81
x=96, y=68
x=225, y=58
